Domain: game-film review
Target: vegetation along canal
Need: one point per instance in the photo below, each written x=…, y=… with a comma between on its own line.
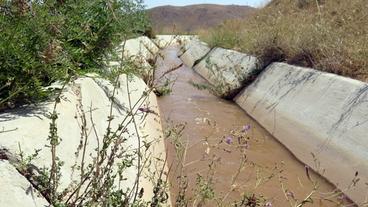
x=223, y=154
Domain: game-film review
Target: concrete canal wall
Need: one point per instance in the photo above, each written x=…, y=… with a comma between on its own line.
x=321, y=118
x=85, y=104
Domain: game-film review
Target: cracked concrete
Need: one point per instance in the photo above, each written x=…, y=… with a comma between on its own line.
x=228, y=71
x=195, y=50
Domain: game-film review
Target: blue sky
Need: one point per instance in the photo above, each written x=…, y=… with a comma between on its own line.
x=154, y=3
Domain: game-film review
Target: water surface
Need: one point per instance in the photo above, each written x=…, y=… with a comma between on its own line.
x=270, y=170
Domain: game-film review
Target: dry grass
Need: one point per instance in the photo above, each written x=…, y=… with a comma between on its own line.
x=329, y=35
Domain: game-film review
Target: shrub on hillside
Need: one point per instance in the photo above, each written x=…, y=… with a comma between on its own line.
x=43, y=41
x=329, y=35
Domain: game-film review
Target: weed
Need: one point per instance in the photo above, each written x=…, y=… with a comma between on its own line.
x=328, y=35
x=45, y=41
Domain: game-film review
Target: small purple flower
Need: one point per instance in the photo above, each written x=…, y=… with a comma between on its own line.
x=268, y=204
x=246, y=128
x=229, y=140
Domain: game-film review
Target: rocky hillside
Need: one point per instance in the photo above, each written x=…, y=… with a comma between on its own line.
x=169, y=19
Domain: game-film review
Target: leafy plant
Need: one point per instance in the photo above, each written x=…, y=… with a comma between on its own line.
x=45, y=41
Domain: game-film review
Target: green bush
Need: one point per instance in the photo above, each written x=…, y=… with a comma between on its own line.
x=44, y=41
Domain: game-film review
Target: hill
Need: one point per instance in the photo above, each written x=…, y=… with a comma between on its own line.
x=169, y=19
x=328, y=35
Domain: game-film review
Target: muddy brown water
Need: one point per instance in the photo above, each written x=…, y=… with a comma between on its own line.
x=212, y=128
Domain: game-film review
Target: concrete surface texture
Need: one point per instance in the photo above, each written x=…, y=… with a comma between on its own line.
x=227, y=70
x=321, y=118
x=142, y=51
x=141, y=46
x=195, y=50
x=27, y=129
x=16, y=190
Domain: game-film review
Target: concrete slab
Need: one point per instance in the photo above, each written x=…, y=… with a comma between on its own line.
x=15, y=189
x=195, y=50
x=228, y=71
x=28, y=127
x=312, y=112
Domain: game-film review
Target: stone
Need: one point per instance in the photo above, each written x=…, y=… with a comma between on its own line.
x=320, y=117
x=195, y=50
x=15, y=189
x=228, y=71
